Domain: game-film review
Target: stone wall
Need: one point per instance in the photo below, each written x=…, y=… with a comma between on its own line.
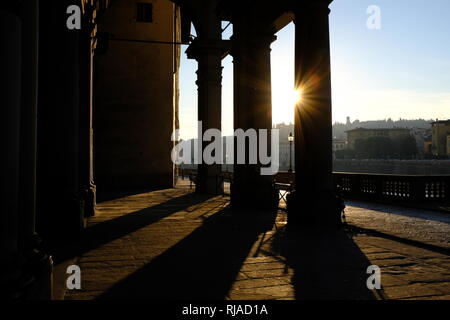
x=135, y=90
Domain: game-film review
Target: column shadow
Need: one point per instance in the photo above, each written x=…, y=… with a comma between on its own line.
x=105, y=232
x=203, y=265
x=410, y=242
x=327, y=264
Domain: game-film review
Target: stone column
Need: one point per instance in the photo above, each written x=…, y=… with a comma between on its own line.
x=59, y=134
x=209, y=56
x=314, y=200
x=38, y=263
x=252, y=110
x=28, y=125
x=87, y=184
x=28, y=271
x=10, y=66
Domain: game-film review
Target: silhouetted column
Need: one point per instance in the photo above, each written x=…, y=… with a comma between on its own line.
x=252, y=110
x=28, y=270
x=87, y=184
x=37, y=261
x=314, y=200
x=10, y=66
x=59, y=128
x=28, y=123
x=209, y=81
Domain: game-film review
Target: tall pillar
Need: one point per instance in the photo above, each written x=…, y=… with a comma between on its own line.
x=39, y=264
x=59, y=129
x=10, y=64
x=252, y=110
x=87, y=185
x=28, y=123
x=209, y=56
x=28, y=270
x=314, y=200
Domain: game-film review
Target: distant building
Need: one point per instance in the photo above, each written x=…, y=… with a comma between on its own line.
x=427, y=147
x=448, y=145
x=286, y=155
x=339, y=144
x=285, y=151
x=348, y=121
x=423, y=139
x=362, y=133
x=440, y=138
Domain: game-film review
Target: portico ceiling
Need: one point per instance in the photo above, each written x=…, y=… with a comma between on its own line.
x=207, y=15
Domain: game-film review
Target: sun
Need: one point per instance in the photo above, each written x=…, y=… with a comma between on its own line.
x=297, y=96
x=284, y=102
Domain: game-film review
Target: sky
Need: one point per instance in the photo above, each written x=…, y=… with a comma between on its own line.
x=401, y=70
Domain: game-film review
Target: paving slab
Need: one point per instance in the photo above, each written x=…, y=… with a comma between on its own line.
x=173, y=243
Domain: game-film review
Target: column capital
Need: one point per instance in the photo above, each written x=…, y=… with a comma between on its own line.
x=253, y=41
x=263, y=39
x=307, y=7
x=200, y=47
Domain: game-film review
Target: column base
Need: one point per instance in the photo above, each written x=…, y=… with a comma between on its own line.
x=90, y=195
x=40, y=266
x=28, y=277
x=314, y=209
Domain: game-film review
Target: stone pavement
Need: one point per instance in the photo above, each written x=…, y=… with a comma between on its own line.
x=425, y=226
x=174, y=244
x=411, y=246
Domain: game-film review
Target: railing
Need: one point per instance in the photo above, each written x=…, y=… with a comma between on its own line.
x=220, y=179
x=395, y=188
x=386, y=187
x=189, y=173
x=372, y=187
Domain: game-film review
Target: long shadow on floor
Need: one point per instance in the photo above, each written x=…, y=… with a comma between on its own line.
x=410, y=242
x=203, y=265
x=105, y=232
x=327, y=264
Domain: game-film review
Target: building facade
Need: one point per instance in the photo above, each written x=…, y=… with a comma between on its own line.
x=362, y=133
x=422, y=137
x=339, y=144
x=440, y=134
x=136, y=94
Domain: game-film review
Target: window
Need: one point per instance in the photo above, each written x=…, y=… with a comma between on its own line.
x=144, y=12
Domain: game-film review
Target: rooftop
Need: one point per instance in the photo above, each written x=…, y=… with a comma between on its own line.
x=377, y=129
x=441, y=122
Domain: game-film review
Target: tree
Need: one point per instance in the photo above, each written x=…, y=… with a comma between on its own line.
x=385, y=148
x=406, y=147
x=374, y=148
